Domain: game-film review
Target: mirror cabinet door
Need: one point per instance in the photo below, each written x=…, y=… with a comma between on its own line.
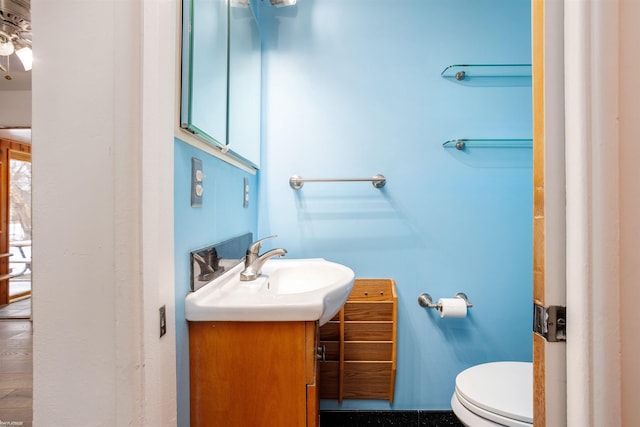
x=204, y=71
x=245, y=70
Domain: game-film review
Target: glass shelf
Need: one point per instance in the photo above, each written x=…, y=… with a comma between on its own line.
x=489, y=74
x=491, y=153
x=464, y=143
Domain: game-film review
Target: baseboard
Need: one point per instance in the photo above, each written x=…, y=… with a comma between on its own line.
x=388, y=418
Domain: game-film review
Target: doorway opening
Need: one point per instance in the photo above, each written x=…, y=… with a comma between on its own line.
x=15, y=228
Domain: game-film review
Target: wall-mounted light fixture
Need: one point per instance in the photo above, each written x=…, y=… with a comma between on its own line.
x=15, y=31
x=282, y=3
x=239, y=3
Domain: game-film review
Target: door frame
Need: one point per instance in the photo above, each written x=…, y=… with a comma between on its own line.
x=589, y=32
x=549, y=359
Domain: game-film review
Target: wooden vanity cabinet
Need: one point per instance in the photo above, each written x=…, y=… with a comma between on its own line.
x=254, y=374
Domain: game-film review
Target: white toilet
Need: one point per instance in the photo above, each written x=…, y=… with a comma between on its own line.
x=495, y=394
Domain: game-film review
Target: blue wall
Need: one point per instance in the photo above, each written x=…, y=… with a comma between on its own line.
x=220, y=218
x=352, y=88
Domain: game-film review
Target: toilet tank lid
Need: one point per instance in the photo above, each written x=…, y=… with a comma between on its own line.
x=503, y=388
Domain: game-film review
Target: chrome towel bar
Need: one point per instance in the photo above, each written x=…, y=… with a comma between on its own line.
x=296, y=182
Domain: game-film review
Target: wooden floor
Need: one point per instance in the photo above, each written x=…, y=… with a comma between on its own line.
x=16, y=310
x=16, y=370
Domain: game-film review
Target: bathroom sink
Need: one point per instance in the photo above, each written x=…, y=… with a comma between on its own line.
x=287, y=290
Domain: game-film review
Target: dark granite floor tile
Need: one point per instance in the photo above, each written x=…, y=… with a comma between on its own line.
x=388, y=418
x=438, y=419
x=369, y=418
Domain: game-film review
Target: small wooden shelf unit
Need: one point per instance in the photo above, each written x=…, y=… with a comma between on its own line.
x=360, y=344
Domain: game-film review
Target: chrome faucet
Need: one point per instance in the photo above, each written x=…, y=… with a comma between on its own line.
x=253, y=262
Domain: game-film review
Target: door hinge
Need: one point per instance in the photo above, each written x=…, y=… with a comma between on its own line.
x=550, y=322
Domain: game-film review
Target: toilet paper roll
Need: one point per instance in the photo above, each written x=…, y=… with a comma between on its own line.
x=452, y=307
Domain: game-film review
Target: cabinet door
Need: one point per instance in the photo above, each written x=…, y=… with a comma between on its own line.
x=204, y=69
x=249, y=374
x=245, y=78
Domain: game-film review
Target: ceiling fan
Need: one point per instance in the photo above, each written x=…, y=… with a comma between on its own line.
x=15, y=34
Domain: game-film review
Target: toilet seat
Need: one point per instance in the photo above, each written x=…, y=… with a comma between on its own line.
x=501, y=392
x=468, y=418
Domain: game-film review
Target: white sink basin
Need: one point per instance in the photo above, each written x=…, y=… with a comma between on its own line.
x=287, y=290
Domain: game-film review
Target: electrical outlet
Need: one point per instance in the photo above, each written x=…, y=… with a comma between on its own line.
x=163, y=321
x=245, y=200
x=197, y=182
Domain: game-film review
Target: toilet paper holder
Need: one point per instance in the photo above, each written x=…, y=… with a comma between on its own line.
x=426, y=301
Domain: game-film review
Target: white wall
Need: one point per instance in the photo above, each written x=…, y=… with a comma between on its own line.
x=102, y=213
x=594, y=281
x=605, y=382
x=15, y=109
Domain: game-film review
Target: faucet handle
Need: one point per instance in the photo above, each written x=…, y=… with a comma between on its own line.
x=254, y=248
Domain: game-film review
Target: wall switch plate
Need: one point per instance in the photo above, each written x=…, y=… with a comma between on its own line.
x=197, y=182
x=163, y=321
x=245, y=199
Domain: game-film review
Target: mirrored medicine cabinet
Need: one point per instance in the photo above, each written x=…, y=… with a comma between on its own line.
x=221, y=76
